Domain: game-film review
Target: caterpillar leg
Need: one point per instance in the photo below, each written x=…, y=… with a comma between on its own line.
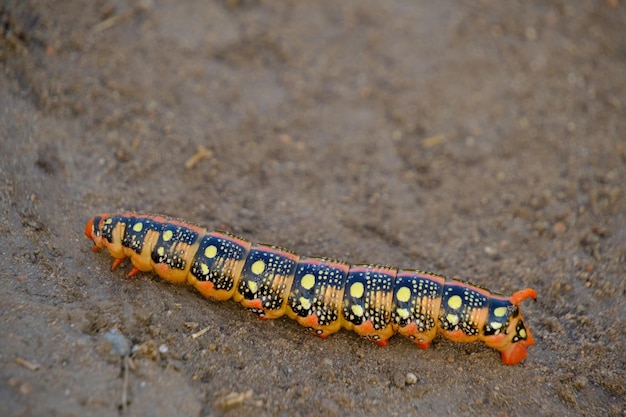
x=132, y=272
x=117, y=262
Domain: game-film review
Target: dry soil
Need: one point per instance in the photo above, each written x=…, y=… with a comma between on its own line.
x=483, y=140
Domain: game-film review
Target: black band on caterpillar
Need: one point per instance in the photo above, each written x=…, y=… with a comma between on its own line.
x=323, y=295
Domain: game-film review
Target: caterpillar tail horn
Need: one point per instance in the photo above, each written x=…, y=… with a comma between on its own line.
x=516, y=352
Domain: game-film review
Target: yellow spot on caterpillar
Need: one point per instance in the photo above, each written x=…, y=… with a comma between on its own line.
x=495, y=325
x=167, y=235
x=108, y=221
x=455, y=302
x=205, y=269
x=161, y=251
x=308, y=281
x=357, y=310
x=453, y=319
x=522, y=333
x=305, y=303
x=258, y=267
x=138, y=227
x=499, y=312
x=356, y=290
x=403, y=294
x=403, y=312
x=210, y=252
x=253, y=287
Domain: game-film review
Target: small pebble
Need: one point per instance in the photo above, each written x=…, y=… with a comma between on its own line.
x=491, y=251
x=163, y=348
x=120, y=345
x=580, y=382
x=26, y=388
x=559, y=228
x=411, y=378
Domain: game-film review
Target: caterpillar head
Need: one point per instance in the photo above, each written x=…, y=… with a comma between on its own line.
x=93, y=230
x=505, y=329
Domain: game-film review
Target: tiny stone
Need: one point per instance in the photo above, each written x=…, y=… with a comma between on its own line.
x=559, y=228
x=26, y=388
x=120, y=345
x=163, y=348
x=567, y=395
x=580, y=382
x=490, y=251
x=411, y=378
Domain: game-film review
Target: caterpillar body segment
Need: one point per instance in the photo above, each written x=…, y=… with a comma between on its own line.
x=316, y=296
x=417, y=299
x=321, y=294
x=266, y=280
x=367, y=302
x=217, y=265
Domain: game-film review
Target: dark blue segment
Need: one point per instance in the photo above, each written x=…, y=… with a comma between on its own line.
x=136, y=230
x=215, y=258
x=424, y=289
x=109, y=225
x=369, y=304
x=96, y=225
x=500, y=310
x=320, y=295
x=457, y=304
x=167, y=249
x=265, y=275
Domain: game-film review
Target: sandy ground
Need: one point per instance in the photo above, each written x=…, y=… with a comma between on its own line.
x=482, y=140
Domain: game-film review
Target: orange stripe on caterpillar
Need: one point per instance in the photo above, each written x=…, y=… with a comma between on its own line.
x=321, y=294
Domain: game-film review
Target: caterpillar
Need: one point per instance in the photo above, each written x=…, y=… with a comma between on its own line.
x=321, y=294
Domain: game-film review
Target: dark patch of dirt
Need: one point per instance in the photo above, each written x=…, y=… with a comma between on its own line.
x=483, y=140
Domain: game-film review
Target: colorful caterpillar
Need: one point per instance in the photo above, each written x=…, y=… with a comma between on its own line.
x=323, y=295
